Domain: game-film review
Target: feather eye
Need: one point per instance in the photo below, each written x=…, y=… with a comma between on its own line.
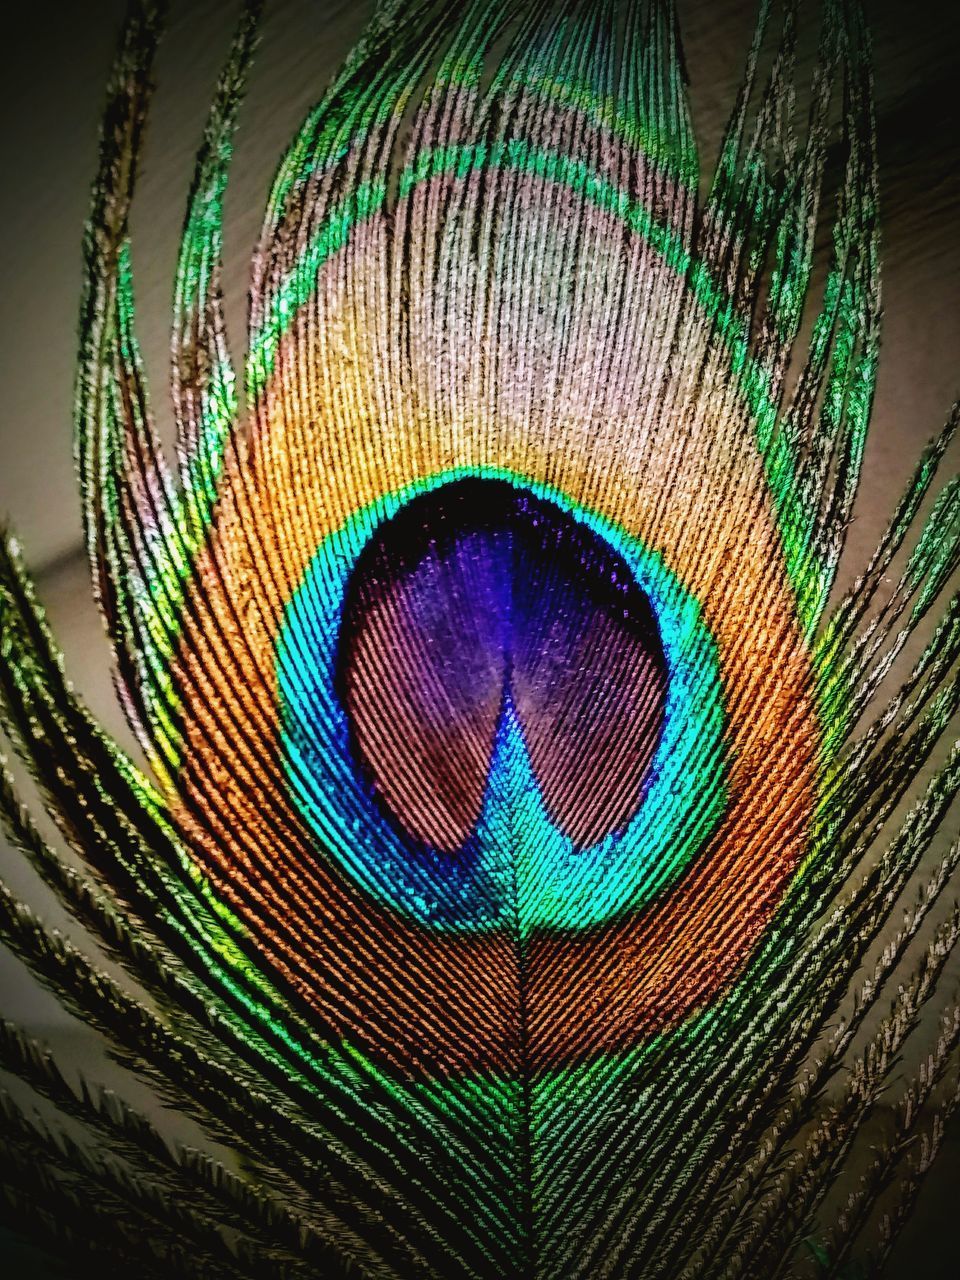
x=523, y=362
x=503, y=743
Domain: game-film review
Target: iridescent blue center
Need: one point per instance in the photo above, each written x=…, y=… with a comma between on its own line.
x=480, y=606
x=495, y=707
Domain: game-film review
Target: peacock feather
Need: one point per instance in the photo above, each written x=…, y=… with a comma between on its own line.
x=522, y=800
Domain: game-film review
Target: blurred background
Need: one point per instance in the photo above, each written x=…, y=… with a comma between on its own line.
x=54, y=61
